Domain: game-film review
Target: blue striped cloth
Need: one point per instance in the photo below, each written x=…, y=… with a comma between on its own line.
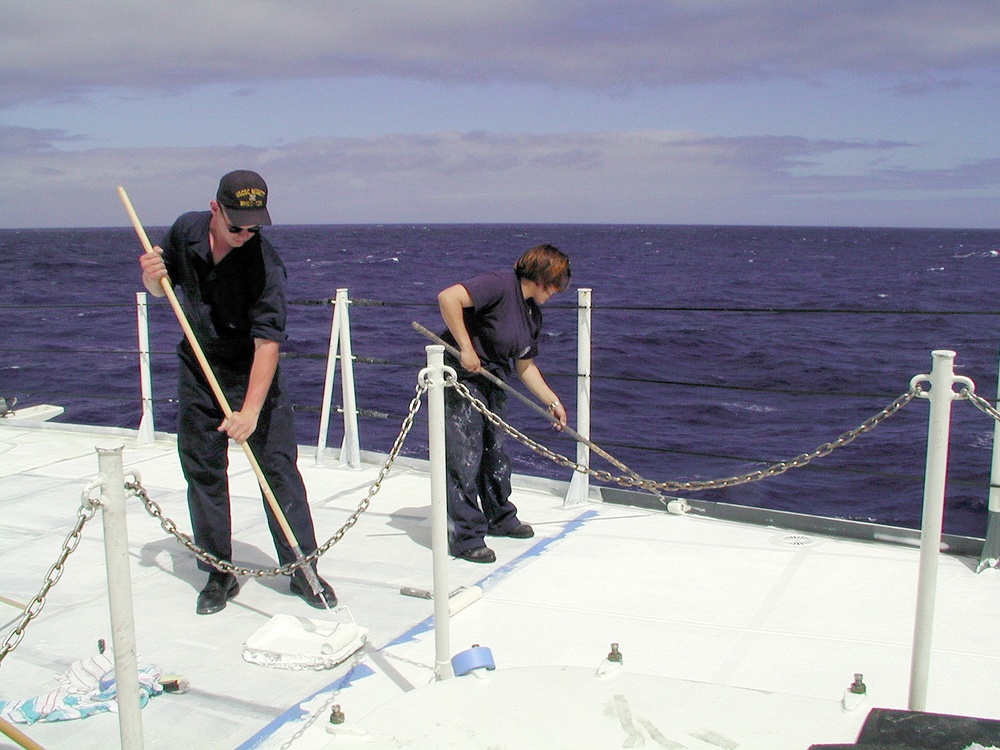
x=86, y=689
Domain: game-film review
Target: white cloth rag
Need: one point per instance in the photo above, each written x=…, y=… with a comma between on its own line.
x=80, y=693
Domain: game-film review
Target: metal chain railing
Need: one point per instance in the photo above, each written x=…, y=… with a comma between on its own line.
x=980, y=403
x=88, y=505
x=637, y=481
x=170, y=526
x=87, y=510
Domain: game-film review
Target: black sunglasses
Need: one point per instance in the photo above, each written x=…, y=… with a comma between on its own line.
x=233, y=229
x=236, y=230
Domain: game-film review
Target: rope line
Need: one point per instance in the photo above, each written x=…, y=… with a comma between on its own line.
x=362, y=302
x=689, y=384
x=788, y=310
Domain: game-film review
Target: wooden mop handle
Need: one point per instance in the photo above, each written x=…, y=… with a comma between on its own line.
x=178, y=310
x=18, y=736
x=206, y=368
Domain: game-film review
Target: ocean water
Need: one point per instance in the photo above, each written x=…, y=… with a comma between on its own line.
x=716, y=351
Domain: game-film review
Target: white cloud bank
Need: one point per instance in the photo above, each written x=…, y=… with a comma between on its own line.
x=54, y=51
x=640, y=177
x=51, y=49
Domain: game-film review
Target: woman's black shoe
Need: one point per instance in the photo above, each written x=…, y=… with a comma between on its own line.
x=479, y=555
x=521, y=531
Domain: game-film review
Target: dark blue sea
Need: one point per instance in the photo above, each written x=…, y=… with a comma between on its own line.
x=717, y=349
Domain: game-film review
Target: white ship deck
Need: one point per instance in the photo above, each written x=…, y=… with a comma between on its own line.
x=733, y=636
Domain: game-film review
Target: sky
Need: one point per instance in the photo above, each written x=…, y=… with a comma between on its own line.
x=790, y=112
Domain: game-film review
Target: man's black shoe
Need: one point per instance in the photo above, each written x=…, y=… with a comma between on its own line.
x=220, y=588
x=521, y=531
x=479, y=555
x=299, y=586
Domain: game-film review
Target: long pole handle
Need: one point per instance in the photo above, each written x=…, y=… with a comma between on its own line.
x=18, y=736
x=206, y=368
x=527, y=401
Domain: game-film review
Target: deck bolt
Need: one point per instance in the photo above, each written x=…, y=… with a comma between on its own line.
x=336, y=715
x=858, y=687
x=615, y=654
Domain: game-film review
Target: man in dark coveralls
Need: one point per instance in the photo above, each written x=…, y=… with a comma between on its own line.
x=233, y=287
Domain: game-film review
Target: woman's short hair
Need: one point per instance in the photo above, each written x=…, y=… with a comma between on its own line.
x=546, y=265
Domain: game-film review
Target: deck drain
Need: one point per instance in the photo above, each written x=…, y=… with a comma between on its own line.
x=793, y=540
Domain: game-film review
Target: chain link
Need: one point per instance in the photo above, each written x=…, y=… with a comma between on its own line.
x=170, y=527
x=980, y=403
x=635, y=480
x=88, y=507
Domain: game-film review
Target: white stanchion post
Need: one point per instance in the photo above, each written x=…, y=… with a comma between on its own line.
x=120, y=597
x=434, y=375
x=579, y=485
x=941, y=380
x=350, y=450
x=331, y=371
x=145, y=435
x=989, y=556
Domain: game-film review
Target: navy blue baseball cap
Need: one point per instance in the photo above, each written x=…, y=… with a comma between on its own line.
x=244, y=196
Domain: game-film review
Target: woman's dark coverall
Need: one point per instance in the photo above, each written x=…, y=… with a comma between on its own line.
x=504, y=327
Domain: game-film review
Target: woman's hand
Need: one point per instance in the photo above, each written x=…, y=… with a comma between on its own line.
x=453, y=302
x=558, y=411
x=470, y=360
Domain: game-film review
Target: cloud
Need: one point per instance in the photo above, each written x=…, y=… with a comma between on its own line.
x=29, y=141
x=920, y=86
x=640, y=176
x=50, y=49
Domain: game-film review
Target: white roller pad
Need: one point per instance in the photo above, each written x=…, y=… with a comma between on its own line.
x=289, y=642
